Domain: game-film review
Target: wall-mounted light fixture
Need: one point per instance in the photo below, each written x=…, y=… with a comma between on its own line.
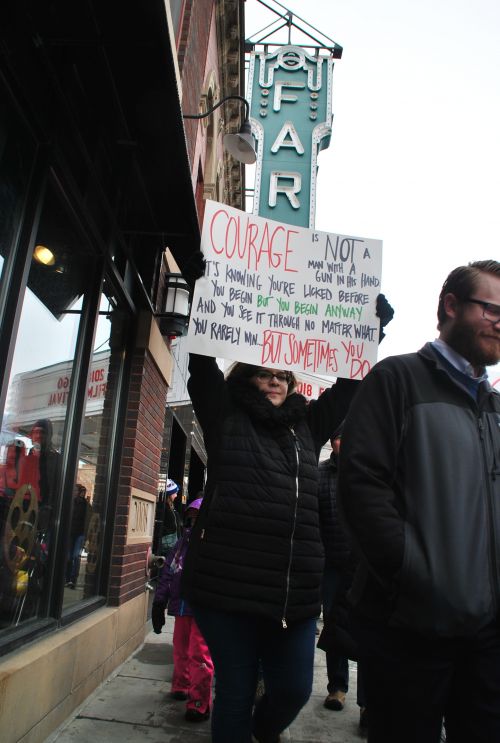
x=241, y=144
x=44, y=255
x=175, y=316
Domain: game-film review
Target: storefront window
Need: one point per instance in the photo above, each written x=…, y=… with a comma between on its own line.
x=16, y=159
x=31, y=436
x=91, y=483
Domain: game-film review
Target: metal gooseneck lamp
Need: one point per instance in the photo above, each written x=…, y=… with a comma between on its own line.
x=240, y=144
x=174, y=319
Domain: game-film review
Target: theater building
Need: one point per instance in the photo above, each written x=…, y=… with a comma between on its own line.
x=102, y=183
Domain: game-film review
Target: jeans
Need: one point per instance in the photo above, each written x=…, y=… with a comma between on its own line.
x=73, y=566
x=237, y=642
x=413, y=681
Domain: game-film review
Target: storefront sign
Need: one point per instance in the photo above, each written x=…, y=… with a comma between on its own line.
x=290, y=95
x=43, y=393
x=286, y=297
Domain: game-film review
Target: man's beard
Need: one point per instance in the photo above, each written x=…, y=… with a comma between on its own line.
x=463, y=339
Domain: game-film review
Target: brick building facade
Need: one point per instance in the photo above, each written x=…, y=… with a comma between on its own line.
x=99, y=176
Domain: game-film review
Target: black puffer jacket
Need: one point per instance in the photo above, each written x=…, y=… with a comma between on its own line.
x=256, y=545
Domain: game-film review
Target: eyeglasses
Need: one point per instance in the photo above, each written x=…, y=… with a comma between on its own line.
x=266, y=376
x=490, y=311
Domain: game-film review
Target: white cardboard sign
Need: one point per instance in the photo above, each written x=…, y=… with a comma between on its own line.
x=284, y=296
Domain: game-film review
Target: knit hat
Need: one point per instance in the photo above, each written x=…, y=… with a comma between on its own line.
x=194, y=504
x=171, y=488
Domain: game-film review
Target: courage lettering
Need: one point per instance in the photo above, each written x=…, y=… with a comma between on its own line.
x=258, y=246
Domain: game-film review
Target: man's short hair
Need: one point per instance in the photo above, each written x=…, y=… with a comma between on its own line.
x=462, y=281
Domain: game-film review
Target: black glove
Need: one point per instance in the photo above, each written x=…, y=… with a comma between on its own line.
x=194, y=268
x=158, y=617
x=384, y=312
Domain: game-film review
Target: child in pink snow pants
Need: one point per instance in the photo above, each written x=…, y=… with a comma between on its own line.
x=193, y=667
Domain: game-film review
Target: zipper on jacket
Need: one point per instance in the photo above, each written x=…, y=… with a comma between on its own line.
x=489, y=506
x=297, y=462
x=495, y=467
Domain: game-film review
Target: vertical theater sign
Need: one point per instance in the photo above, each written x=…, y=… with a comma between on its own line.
x=290, y=92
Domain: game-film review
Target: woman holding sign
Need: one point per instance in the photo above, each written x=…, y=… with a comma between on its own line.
x=255, y=561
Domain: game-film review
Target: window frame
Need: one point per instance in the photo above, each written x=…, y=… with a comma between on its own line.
x=14, y=285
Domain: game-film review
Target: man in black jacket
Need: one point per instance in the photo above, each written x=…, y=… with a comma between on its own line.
x=80, y=517
x=337, y=549
x=419, y=485
x=339, y=568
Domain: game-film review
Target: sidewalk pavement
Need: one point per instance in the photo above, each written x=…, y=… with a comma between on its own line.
x=133, y=706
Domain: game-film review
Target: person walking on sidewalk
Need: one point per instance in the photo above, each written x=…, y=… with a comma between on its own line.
x=80, y=518
x=337, y=576
x=171, y=526
x=255, y=560
x=193, y=667
x=337, y=549
x=419, y=486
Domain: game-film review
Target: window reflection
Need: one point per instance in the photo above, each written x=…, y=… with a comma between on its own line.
x=78, y=531
x=34, y=520
x=84, y=564
x=31, y=436
x=30, y=473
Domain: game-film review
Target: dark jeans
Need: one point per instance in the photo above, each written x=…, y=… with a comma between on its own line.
x=337, y=666
x=237, y=642
x=75, y=552
x=413, y=681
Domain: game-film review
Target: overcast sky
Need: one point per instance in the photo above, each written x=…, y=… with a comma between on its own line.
x=414, y=158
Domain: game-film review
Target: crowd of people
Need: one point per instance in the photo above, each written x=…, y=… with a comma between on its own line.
x=407, y=513
x=395, y=538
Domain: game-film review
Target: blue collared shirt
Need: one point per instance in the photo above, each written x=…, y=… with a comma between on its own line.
x=469, y=380
x=458, y=361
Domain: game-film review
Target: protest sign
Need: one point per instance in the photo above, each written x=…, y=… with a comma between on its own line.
x=284, y=296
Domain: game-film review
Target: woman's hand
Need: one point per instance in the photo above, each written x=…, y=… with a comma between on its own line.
x=158, y=616
x=384, y=312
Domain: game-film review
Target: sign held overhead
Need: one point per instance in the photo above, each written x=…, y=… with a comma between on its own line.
x=284, y=296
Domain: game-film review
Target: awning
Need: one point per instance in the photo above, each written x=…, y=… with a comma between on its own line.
x=106, y=69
